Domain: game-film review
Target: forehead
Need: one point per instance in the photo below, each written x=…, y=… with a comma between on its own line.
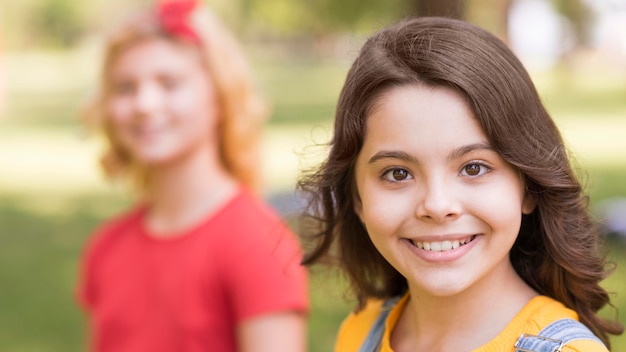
x=151, y=53
x=421, y=99
x=423, y=117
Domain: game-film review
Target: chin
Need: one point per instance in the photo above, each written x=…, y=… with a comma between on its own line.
x=154, y=159
x=443, y=289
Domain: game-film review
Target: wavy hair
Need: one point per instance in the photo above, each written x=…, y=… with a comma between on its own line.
x=242, y=111
x=558, y=250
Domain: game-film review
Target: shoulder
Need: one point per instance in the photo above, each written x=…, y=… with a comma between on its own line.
x=259, y=260
x=550, y=318
x=574, y=334
x=253, y=236
x=539, y=317
x=247, y=217
x=543, y=310
x=584, y=346
x=247, y=204
x=356, y=326
x=108, y=231
x=98, y=245
x=571, y=334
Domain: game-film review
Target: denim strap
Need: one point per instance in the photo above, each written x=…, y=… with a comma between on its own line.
x=375, y=336
x=551, y=339
x=554, y=336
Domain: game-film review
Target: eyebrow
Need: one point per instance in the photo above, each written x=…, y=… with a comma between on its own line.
x=457, y=153
x=466, y=149
x=391, y=154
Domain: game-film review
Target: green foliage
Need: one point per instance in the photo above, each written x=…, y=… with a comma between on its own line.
x=579, y=14
x=355, y=15
x=63, y=23
x=323, y=17
x=46, y=23
x=58, y=23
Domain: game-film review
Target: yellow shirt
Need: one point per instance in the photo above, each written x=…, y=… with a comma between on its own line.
x=536, y=315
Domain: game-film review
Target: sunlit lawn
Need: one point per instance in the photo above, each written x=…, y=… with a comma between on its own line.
x=52, y=195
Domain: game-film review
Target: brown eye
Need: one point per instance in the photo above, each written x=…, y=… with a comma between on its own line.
x=123, y=87
x=400, y=174
x=472, y=169
x=170, y=83
x=397, y=174
x=475, y=169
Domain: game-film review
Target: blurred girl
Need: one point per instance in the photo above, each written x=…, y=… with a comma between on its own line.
x=450, y=203
x=200, y=264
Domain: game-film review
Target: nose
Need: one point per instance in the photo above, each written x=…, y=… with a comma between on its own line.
x=438, y=202
x=146, y=98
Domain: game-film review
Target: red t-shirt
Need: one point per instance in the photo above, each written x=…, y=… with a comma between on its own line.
x=187, y=293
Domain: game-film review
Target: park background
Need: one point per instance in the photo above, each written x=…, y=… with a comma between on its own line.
x=52, y=193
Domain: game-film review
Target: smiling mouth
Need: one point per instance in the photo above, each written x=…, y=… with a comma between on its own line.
x=442, y=246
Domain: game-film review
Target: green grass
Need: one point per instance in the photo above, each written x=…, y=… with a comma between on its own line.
x=38, y=260
x=51, y=195
x=616, y=286
x=38, y=268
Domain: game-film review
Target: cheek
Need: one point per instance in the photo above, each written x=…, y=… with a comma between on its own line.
x=384, y=211
x=119, y=111
x=196, y=106
x=501, y=207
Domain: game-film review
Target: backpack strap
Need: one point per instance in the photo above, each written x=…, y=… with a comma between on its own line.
x=554, y=336
x=375, y=336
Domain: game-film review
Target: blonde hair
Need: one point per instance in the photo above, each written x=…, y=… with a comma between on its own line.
x=242, y=111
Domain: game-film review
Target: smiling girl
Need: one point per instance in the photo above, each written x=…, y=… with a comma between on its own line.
x=449, y=200
x=200, y=263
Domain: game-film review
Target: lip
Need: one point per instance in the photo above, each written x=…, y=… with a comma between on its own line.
x=147, y=132
x=446, y=256
x=148, y=129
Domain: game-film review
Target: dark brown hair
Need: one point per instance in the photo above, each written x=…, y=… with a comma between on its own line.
x=558, y=251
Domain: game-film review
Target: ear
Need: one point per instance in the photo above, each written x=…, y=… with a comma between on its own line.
x=528, y=204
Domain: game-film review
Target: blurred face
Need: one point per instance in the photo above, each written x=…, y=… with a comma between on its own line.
x=161, y=102
x=437, y=201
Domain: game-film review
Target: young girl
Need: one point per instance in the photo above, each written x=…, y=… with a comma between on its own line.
x=450, y=203
x=200, y=264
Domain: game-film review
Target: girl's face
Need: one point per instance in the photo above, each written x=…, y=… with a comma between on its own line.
x=161, y=102
x=437, y=201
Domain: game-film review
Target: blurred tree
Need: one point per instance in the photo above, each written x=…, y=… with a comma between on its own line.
x=322, y=17
x=492, y=15
x=579, y=15
x=356, y=15
x=57, y=23
x=442, y=8
x=62, y=23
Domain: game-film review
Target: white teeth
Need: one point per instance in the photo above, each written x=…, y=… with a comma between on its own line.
x=442, y=246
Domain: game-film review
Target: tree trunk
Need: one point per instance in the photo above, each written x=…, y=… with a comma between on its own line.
x=442, y=8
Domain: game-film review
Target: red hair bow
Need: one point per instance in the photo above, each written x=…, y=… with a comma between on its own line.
x=174, y=18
